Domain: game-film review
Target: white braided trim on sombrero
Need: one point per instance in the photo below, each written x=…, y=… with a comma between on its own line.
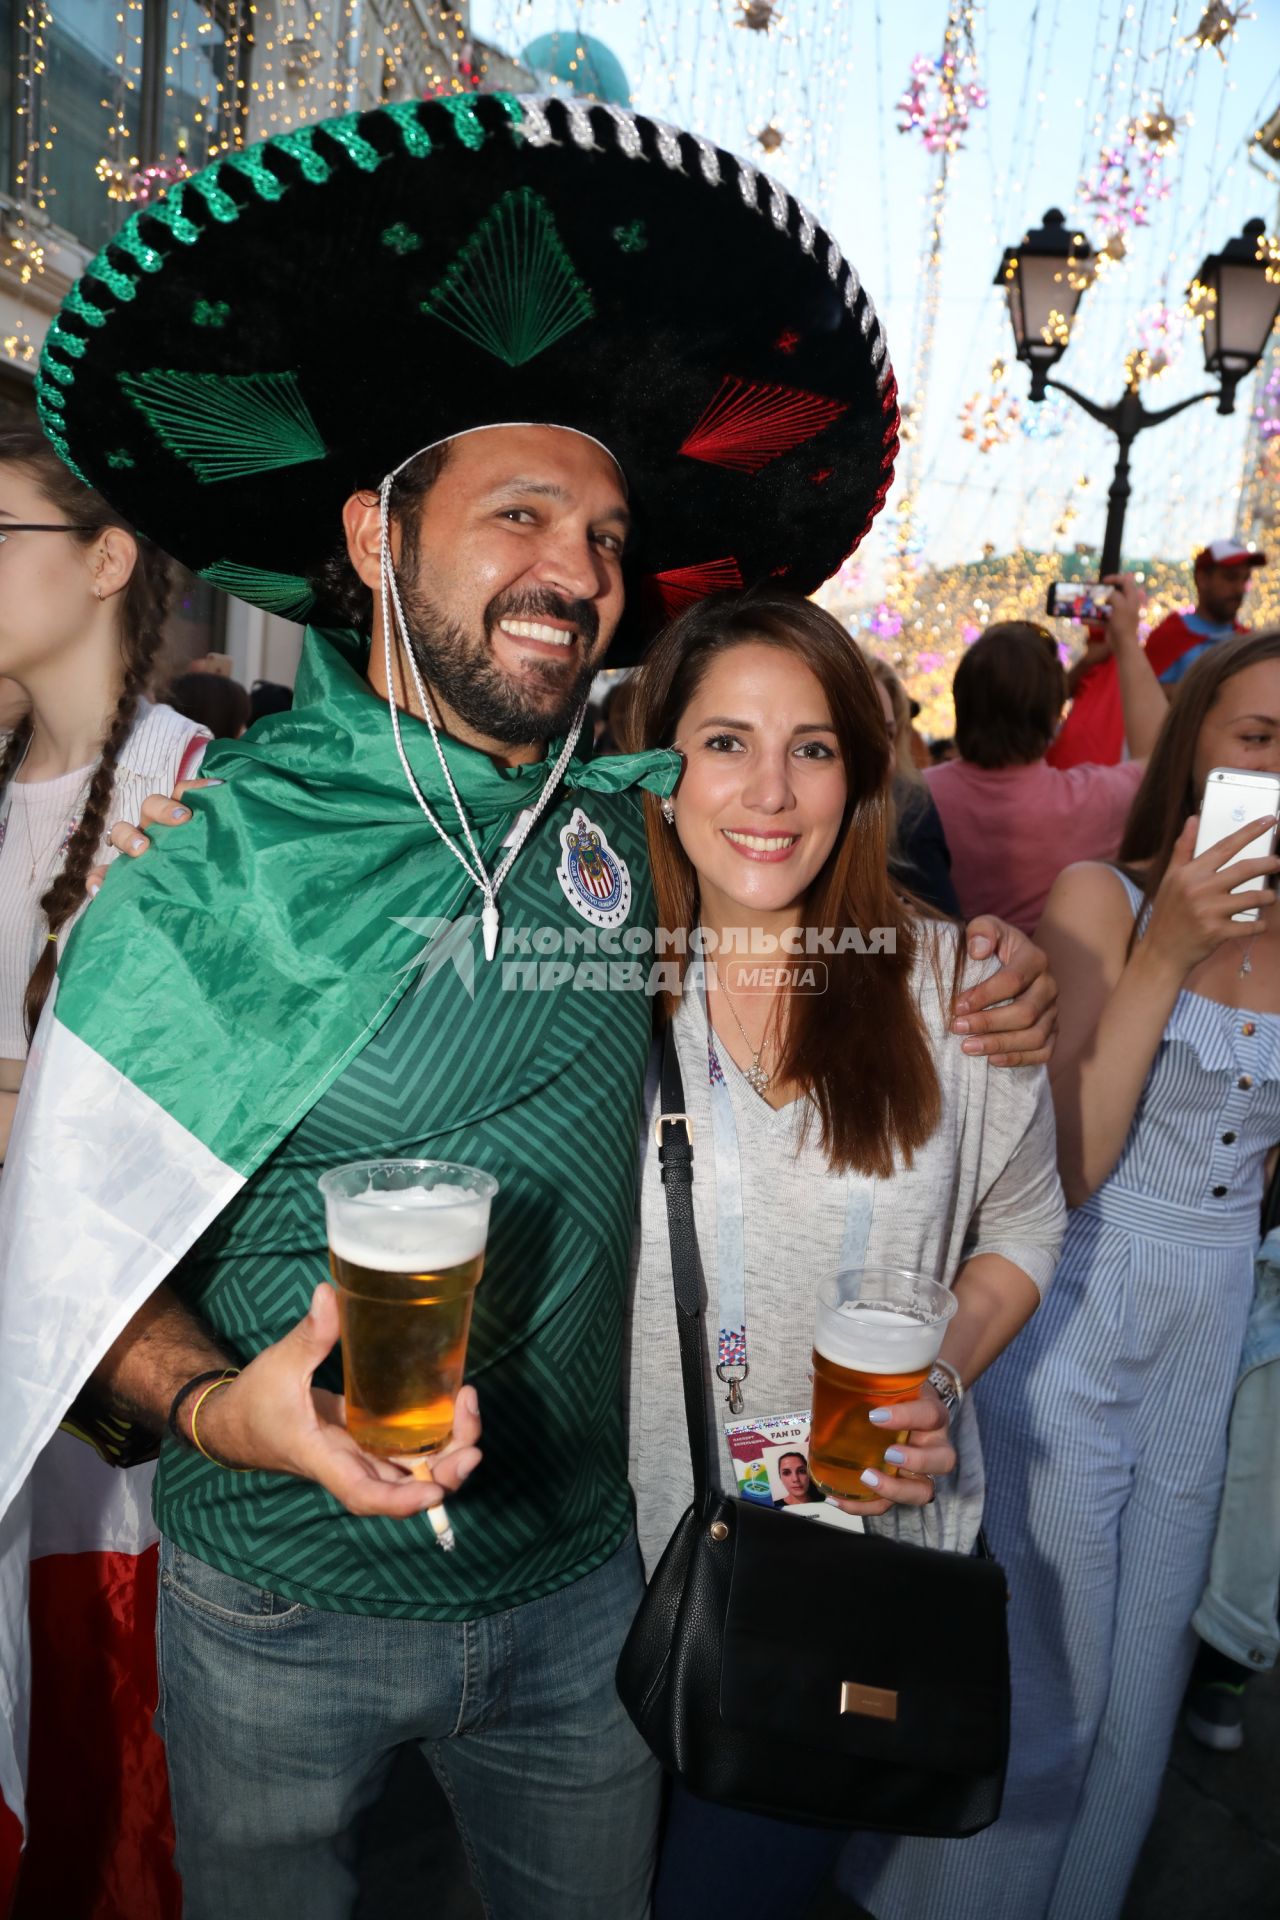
x=536, y=129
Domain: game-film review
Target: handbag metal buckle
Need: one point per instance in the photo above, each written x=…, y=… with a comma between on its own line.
x=670, y=1120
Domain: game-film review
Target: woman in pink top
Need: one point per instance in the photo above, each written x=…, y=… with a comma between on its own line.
x=1012, y=821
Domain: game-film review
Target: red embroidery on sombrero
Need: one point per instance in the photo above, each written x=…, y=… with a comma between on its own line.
x=748, y=424
x=679, y=587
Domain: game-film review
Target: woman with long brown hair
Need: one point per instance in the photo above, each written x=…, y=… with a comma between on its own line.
x=845, y=1098
x=82, y=605
x=1104, y=1428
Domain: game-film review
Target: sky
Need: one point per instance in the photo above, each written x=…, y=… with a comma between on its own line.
x=1063, y=79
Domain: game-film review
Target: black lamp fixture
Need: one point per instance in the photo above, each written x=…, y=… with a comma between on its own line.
x=1043, y=279
x=1236, y=297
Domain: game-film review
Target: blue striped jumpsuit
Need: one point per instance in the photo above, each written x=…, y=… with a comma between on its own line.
x=1104, y=1431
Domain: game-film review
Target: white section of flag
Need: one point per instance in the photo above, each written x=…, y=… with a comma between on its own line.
x=102, y=1194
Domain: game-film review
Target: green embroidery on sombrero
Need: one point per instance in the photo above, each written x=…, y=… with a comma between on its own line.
x=72, y=344
x=632, y=238
x=510, y=104
x=512, y=289
x=216, y=198
x=226, y=425
x=54, y=397
x=129, y=240
x=123, y=285
x=83, y=309
x=121, y=458
x=466, y=121
x=211, y=313
x=299, y=145
x=250, y=162
x=54, y=370
x=353, y=143
x=169, y=213
x=401, y=239
x=414, y=137
x=287, y=594
x=60, y=446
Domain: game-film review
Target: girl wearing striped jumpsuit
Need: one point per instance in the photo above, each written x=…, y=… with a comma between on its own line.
x=1104, y=1425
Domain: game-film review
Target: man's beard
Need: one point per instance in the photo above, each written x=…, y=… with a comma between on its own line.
x=540, y=704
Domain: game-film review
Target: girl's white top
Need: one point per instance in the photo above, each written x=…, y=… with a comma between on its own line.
x=987, y=1182
x=37, y=820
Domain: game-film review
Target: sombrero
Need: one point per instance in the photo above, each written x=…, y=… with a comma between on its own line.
x=296, y=320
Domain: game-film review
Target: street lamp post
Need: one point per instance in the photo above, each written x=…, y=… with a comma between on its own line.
x=1236, y=294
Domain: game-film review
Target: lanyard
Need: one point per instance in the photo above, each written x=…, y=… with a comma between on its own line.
x=732, y=1365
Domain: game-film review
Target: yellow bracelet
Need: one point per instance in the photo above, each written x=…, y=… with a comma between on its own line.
x=232, y=1373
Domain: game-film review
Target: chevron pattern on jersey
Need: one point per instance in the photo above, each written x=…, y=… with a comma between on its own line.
x=543, y=1089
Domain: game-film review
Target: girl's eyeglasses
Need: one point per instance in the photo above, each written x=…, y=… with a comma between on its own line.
x=41, y=526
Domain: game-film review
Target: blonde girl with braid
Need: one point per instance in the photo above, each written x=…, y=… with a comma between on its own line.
x=82, y=606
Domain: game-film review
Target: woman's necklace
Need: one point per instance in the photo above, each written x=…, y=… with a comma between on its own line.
x=39, y=859
x=756, y=1076
x=1246, y=964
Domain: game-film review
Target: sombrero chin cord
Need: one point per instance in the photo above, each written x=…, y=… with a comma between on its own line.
x=478, y=873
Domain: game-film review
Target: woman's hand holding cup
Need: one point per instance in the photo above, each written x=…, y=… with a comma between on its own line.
x=913, y=1464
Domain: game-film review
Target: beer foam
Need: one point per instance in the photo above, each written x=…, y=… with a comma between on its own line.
x=417, y=1230
x=877, y=1339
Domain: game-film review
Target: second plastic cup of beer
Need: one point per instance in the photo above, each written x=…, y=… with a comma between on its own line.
x=406, y=1251
x=877, y=1334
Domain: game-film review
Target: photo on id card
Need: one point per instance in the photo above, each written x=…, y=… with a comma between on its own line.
x=771, y=1460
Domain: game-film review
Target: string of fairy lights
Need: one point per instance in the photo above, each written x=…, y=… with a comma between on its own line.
x=864, y=110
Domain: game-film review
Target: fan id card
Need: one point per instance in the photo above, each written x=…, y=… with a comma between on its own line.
x=771, y=1460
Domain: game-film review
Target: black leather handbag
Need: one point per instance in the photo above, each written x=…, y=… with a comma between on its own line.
x=799, y=1670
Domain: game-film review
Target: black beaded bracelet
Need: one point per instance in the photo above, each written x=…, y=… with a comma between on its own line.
x=189, y=1387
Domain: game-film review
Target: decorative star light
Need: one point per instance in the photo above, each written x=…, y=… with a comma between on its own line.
x=1159, y=340
x=758, y=16
x=1267, y=410
x=1156, y=126
x=1123, y=186
x=1045, y=422
x=988, y=417
x=940, y=99
x=770, y=138
x=1218, y=24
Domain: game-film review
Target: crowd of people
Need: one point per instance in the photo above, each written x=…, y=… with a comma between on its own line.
x=1039, y=1063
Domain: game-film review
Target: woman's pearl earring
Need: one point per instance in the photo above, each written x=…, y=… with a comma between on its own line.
x=97, y=593
x=669, y=812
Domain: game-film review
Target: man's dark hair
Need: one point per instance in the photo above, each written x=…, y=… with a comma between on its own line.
x=341, y=595
x=1008, y=692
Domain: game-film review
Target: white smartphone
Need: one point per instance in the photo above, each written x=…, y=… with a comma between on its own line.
x=1233, y=797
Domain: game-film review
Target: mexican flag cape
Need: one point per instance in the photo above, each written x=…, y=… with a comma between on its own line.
x=206, y=1002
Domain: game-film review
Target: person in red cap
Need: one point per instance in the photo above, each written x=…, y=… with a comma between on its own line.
x=1093, y=732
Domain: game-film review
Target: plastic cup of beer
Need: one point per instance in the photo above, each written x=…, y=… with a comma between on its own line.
x=406, y=1251
x=877, y=1333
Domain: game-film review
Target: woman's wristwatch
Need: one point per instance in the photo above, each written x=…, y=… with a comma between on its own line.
x=947, y=1384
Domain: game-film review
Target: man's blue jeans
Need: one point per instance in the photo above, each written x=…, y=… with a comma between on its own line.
x=281, y=1723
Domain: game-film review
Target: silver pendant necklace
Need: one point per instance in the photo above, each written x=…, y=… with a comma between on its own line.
x=757, y=1076
x=475, y=868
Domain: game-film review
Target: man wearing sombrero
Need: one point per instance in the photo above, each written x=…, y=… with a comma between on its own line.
x=439, y=363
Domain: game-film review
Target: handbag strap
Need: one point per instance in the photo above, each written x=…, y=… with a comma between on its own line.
x=675, y=1156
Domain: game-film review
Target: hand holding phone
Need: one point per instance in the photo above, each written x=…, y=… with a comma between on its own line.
x=1232, y=798
x=1079, y=600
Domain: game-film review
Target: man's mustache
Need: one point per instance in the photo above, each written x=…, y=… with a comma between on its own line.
x=542, y=604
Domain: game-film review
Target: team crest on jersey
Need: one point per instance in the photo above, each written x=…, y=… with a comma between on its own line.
x=593, y=878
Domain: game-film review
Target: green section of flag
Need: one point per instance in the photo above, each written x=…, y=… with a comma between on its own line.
x=233, y=972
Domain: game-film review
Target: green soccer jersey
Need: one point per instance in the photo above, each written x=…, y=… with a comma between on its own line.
x=529, y=1066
